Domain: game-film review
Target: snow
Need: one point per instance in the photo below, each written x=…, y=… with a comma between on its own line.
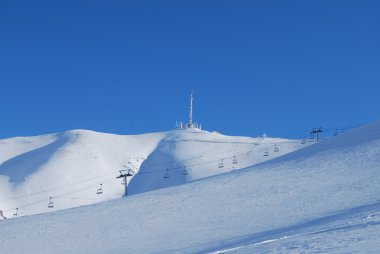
x=70, y=166
x=200, y=153
x=67, y=166
x=322, y=198
x=350, y=231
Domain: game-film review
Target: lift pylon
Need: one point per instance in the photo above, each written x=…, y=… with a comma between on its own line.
x=124, y=174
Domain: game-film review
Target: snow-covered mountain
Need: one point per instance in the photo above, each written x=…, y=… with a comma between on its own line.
x=323, y=198
x=71, y=166
x=188, y=155
x=67, y=166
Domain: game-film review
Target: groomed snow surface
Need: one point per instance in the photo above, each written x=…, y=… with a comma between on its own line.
x=318, y=198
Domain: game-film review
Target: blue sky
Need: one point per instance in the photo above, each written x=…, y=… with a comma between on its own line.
x=276, y=67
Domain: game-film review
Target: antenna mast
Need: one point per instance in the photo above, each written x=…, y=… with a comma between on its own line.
x=190, y=123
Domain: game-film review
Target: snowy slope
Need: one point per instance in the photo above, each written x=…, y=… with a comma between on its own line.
x=187, y=155
x=326, y=194
x=354, y=230
x=70, y=166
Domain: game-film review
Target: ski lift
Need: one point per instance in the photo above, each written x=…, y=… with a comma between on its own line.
x=166, y=175
x=100, y=190
x=303, y=141
x=124, y=175
x=221, y=164
x=234, y=161
x=266, y=153
x=276, y=149
x=336, y=132
x=16, y=213
x=51, y=203
x=184, y=172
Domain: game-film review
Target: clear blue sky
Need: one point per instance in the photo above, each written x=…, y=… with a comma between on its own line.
x=275, y=67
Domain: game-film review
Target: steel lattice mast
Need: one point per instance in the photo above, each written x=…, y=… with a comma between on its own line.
x=190, y=122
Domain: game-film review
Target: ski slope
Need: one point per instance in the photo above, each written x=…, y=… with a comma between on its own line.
x=191, y=154
x=323, y=198
x=70, y=166
x=67, y=166
x=353, y=230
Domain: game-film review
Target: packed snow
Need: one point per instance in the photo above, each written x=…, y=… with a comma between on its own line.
x=322, y=198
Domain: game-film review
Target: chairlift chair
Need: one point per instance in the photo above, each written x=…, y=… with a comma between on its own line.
x=100, y=190
x=266, y=153
x=16, y=213
x=303, y=141
x=51, y=203
x=184, y=172
x=234, y=161
x=166, y=175
x=221, y=164
x=276, y=149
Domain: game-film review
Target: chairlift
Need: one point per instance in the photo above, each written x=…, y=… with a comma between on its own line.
x=234, y=161
x=303, y=141
x=16, y=213
x=166, y=175
x=100, y=190
x=184, y=172
x=276, y=149
x=221, y=164
x=336, y=133
x=51, y=203
x=124, y=174
x=130, y=172
x=266, y=153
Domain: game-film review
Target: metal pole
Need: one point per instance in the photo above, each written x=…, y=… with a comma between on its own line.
x=124, y=176
x=126, y=186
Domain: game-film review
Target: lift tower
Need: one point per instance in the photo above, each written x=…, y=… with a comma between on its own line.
x=124, y=174
x=316, y=131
